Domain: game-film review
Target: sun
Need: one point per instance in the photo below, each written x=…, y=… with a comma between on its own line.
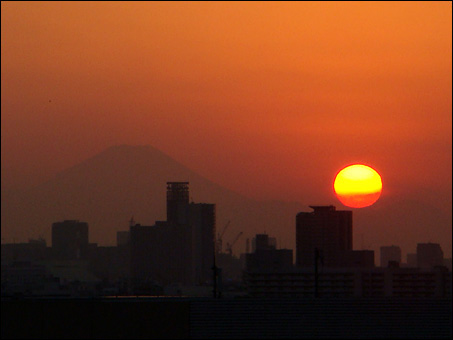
x=358, y=186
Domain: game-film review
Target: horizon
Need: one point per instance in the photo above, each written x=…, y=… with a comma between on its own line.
x=362, y=235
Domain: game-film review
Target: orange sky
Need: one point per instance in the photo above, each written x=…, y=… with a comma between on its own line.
x=267, y=99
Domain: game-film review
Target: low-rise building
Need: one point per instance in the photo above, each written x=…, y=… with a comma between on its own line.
x=351, y=282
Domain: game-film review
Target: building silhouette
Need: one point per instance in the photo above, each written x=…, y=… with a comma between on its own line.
x=390, y=253
x=159, y=256
x=352, y=282
x=328, y=230
x=177, y=201
x=179, y=250
x=263, y=241
x=34, y=250
x=429, y=255
x=70, y=240
x=202, y=226
x=266, y=257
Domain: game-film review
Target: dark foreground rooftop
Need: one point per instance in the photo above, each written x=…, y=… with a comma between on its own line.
x=205, y=318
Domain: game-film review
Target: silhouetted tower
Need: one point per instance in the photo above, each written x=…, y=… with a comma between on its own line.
x=328, y=230
x=177, y=202
x=179, y=250
x=429, y=255
x=69, y=240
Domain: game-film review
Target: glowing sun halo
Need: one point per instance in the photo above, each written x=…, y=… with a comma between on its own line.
x=358, y=186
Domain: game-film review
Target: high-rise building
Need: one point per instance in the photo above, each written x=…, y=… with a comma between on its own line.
x=328, y=230
x=202, y=224
x=70, y=240
x=177, y=201
x=390, y=253
x=179, y=250
x=429, y=255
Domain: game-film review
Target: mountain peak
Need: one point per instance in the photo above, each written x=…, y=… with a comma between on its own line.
x=125, y=180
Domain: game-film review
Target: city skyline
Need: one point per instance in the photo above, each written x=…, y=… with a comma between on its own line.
x=129, y=178
x=179, y=256
x=168, y=265
x=324, y=228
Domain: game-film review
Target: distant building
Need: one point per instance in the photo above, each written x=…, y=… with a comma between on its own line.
x=74, y=276
x=33, y=251
x=160, y=255
x=177, y=201
x=202, y=225
x=356, y=259
x=266, y=257
x=429, y=255
x=263, y=241
x=328, y=230
x=230, y=267
x=110, y=264
x=70, y=240
x=179, y=250
x=343, y=283
x=390, y=253
x=28, y=279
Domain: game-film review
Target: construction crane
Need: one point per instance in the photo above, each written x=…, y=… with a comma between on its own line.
x=219, y=238
x=229, y=247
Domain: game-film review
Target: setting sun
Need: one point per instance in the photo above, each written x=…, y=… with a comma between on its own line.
x=358, y=186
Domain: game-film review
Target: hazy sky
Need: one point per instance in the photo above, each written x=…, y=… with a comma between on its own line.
x=267, y=99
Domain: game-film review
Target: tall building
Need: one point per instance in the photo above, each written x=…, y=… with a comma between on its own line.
x=390, y=253
x=429, y=255
x=327, y=229
x=179, y=250
x=70, y=240
x=202, y=224
x=177, y=201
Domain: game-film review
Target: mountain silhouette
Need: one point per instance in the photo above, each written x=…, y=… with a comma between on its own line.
x=124, y=181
